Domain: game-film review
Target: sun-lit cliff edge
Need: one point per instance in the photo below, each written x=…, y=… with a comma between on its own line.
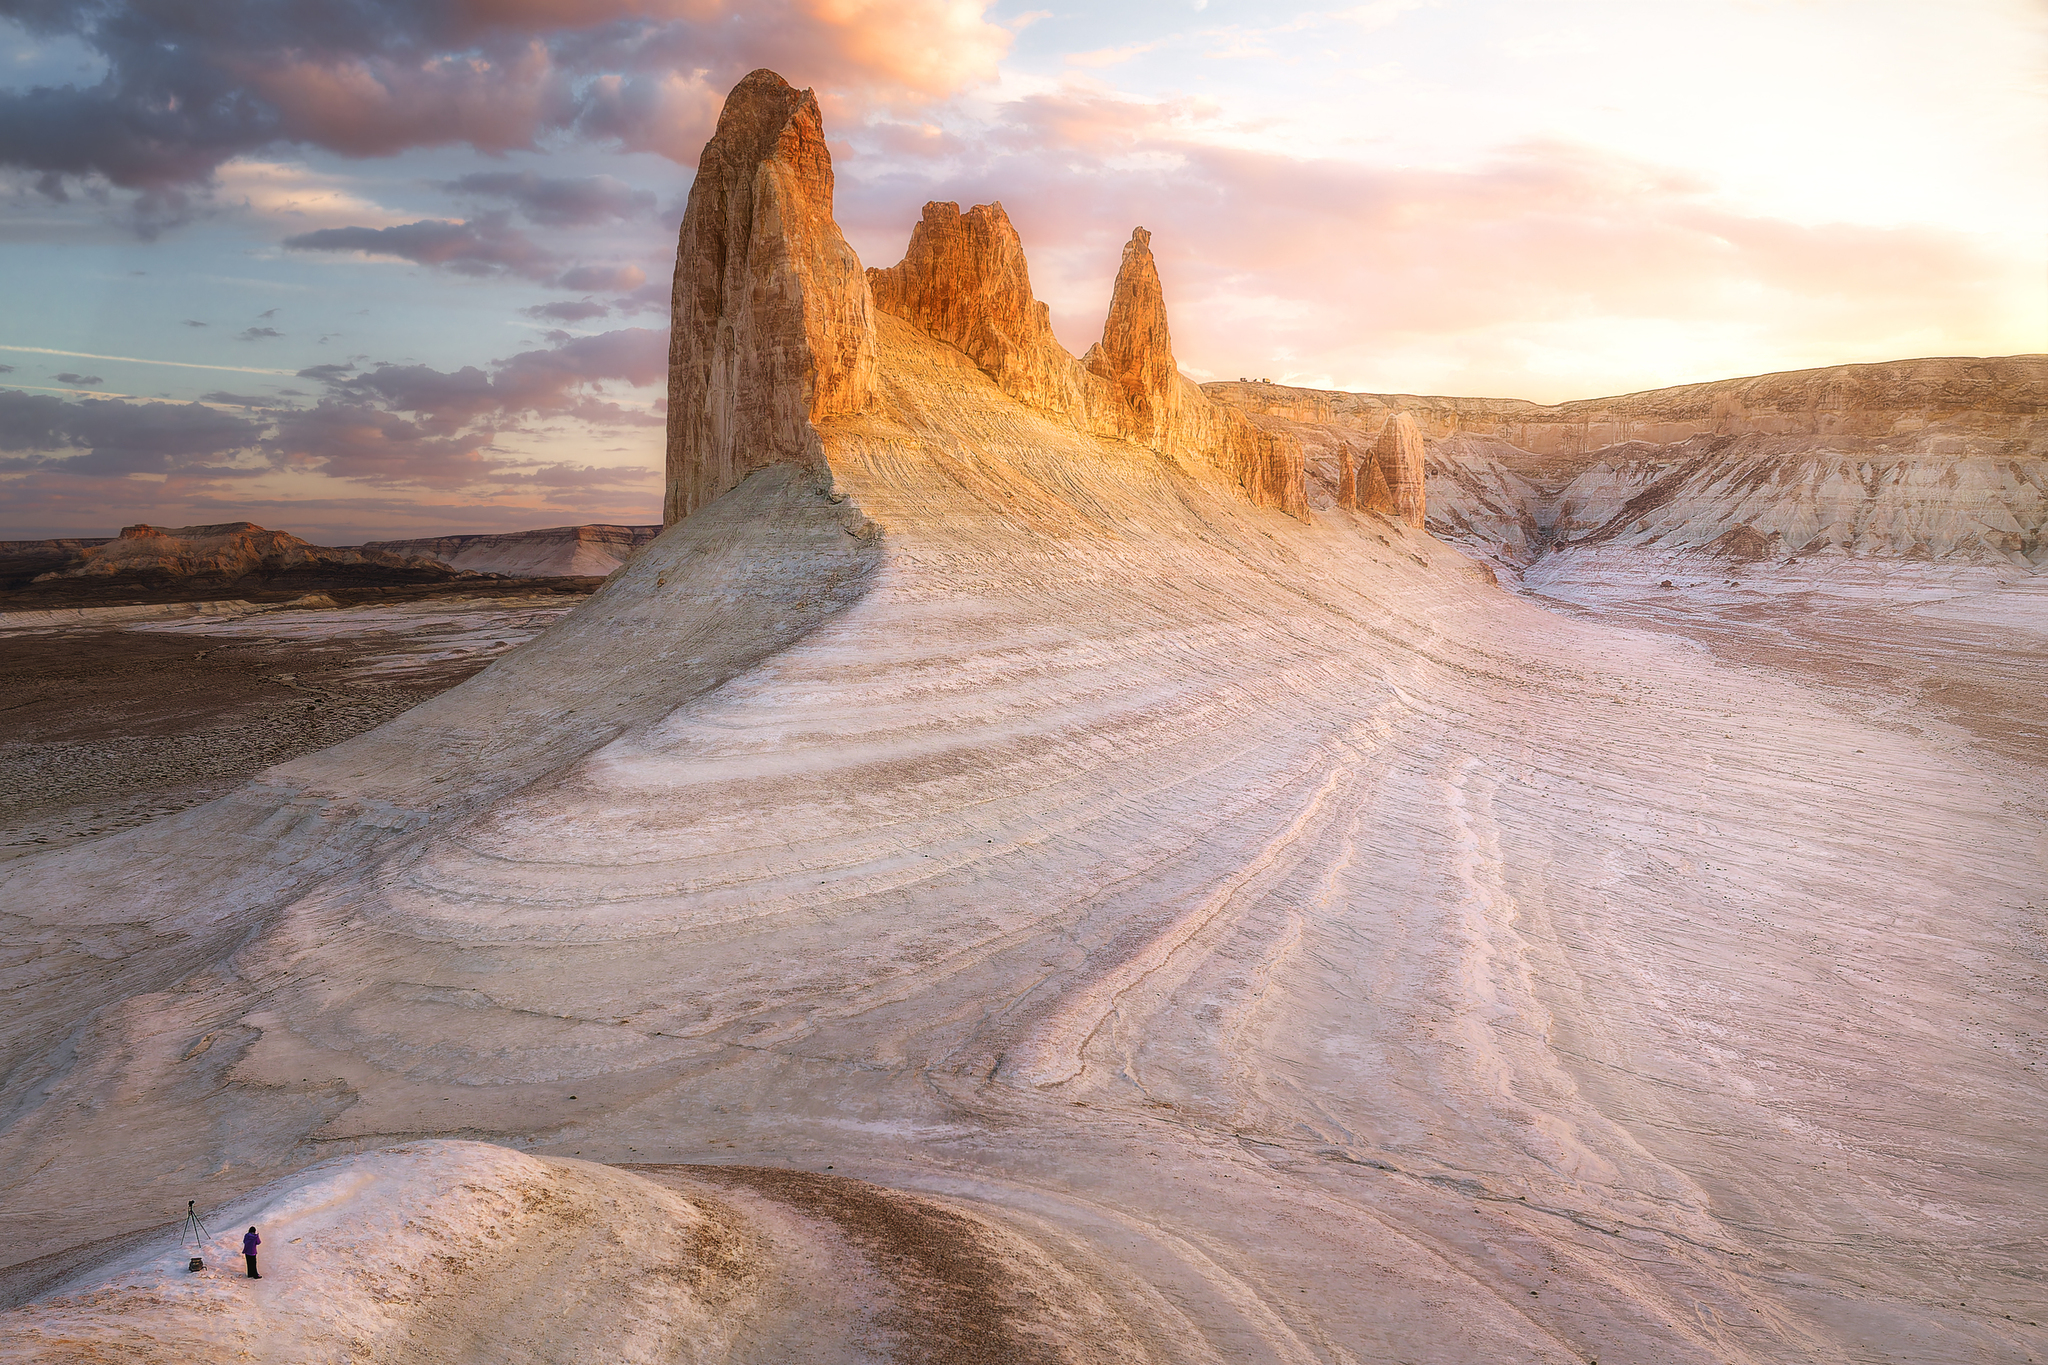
x=1937, y=461
x=996, y=880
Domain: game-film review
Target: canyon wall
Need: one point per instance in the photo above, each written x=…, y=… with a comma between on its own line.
x=1932, y=460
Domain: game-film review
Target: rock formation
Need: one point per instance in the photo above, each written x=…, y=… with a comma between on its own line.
x=1397, y=475
x=964, y=280
x=1347, y=478
x=555, y=552
x=1229, y=939
x=1975, y=399
x=150, y=563
x=1942, y=460
x=771, y=329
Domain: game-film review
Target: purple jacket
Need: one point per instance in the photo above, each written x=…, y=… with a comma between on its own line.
x=250, y=1241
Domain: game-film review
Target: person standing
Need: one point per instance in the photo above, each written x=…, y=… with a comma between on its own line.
x=250, y=1241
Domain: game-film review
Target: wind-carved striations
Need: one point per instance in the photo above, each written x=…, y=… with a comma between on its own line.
x=771, y=325
x=964, y=280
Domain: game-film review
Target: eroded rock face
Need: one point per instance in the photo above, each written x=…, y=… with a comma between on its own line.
x=1347, y=478
x=1942, y=459
x=771, y=331
x=1135, y=354
x=1397, y=459
x=964, y=280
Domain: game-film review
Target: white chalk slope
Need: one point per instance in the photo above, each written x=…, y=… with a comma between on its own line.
x=1268, y=920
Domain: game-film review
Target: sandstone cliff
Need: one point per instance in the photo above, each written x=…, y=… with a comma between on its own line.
x=555, y=552
x=771, y=329
x=964, y=280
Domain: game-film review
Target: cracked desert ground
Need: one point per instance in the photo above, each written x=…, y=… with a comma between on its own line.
x=1031, y=867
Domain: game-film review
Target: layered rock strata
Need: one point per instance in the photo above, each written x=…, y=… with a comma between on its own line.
x=771, y=329
x=1942, y=460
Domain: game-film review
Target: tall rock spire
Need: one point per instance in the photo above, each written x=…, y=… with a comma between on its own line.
x=770, y=326
x=1136, y=351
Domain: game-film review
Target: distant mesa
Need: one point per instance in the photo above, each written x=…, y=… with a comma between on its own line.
x=239, y=559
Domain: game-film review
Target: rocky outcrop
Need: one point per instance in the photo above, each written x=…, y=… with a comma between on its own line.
x=237, y=558
x=771, y=331
x=23, y=561
x=231, y=551
x=1397, y=474
x=1941, y=459
x=964, y=280
x=554, y=552
x=1347, y=478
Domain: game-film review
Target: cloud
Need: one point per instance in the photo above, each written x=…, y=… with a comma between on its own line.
x=257, y=333
x=78, y=380
x=507, y=442
x=391, y=426
x=483, y=246
x=562, y=380
x=595, y=278
x=189, y=87
x=567, y=310
x=559, y=201
x=413, y=425
x=189, y=322
x=117, y=438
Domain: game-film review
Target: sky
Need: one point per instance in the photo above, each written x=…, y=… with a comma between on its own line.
x=369, y=269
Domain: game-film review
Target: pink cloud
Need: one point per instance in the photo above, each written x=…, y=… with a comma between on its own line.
x=189, y=87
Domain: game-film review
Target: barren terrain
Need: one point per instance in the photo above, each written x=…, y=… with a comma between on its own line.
x=1020, y=869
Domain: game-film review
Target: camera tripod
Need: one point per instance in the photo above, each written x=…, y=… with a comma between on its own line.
x=196, y=1230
